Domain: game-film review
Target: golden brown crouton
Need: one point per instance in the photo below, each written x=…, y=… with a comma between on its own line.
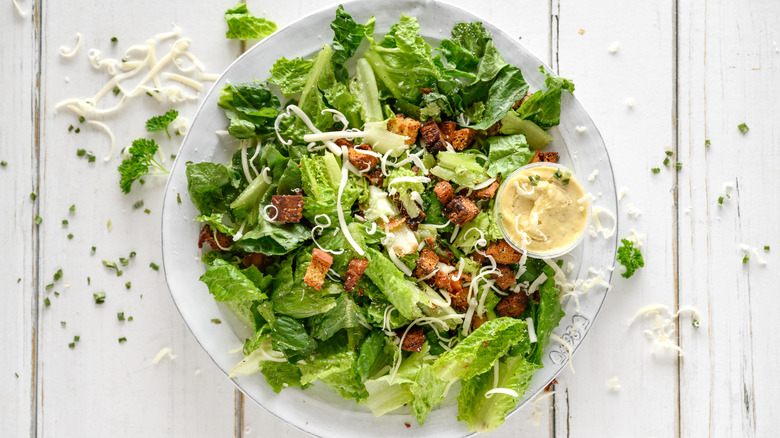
x=214, y=238
x=444, y=192
x=414, y=339
x=512, y=305
x=289, y=208
x=547, y=157
x=256, y=259
x=447, y=130
x=345, y=142
x=355, y=270
x=454, y=288
x=488, y=192
x=477, y=321
x=503, y=253
x=375, y=178
x=431, y=134
x=405, y=126
x=463, y=138
x=426, y=263
x=460, y=211
x=364, y=162
x=319, y=266
x=477, y=257
x=505, y=278
x=394, y=222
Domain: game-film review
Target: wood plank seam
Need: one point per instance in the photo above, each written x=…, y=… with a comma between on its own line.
x=675, y=197
x=36, y=183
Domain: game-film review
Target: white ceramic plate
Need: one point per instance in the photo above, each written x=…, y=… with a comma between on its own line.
x=317, y=410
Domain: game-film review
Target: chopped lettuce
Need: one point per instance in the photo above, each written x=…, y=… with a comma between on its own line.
x=280, y=375
x=507, y=154
x=544, y=107
x=251, y=108
x=468, y=236
x=242, y=25
x=209, y=186
x=404, y=189
x=547, y=315
x=403, y=294
x=347, y=35
x=460, y=168
x=537, y=138
x=346, y=314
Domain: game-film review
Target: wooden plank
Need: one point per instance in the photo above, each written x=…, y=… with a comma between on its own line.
x=18, y=148
x=530, y=22
x=729, y=74
x=102, y=385
x=641, y=69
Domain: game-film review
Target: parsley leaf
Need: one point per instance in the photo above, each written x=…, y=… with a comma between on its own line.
x=743, y=128
x=630, y=257
x=160, y=123
x=141, y=159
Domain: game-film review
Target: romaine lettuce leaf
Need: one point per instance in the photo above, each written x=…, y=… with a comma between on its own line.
x=373, y=354
x=346, y=314
x=242, y=25
x=478, y=352
x=403, y=294
x=227, y=283
x=274, y=239
x=547, y=315
x=460, y=168
x=544, y=107
x=485, y=414
x=280, y=375
x=209, y=187
x=251, y=108
x=291, y=296
x=347, y=35
x=289, y=336
x=485, y=223
x=507, y=154
x=537, y=137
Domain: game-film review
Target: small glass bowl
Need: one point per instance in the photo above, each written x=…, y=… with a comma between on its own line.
x=549, y=254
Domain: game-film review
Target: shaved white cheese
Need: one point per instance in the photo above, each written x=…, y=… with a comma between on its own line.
x=416, y=197
x=163, y=353
x=338, y=117
x=581, y=129
x=418, y=162
x=429, y=320
x=484, y=184
x=614, y=384
x=264, y=174
x=398, y=263
x=244, y=162
x=613, y=48
x=455, y=233
x=461, y=265
x=593, y=175
x=439, y=226
x=110, y=137
x=69, y=53
x=197, y=85
x=623, y=191
x=340, y=211
x=531, y=332
x=268, y=217
x=510, y=392
x=410, y=179
x=535, y=285
x=633, y=212
x=445, y=268
x=168, y=35
x=607, y=233
x=558, y=339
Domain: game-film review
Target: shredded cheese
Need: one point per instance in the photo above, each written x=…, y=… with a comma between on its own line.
x=510, y=392
x=531, y=332
x=69, y=53
x=607, y=233
x=110, y=136
x=340, y=211
x=163, y=353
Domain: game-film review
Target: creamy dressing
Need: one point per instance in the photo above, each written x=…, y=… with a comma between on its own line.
x=540, y=213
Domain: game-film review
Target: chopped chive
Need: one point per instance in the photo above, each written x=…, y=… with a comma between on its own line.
x=124, y=261
x=70, y=236
x=33, y=196
x=65, y=222
x=82, y=119
x=720, y=200
x=173, y=156
x=154, y=266
x=178, y=198
x=72, y=209
x=557, y=174
x=76, y=338
x=116, y=91
x=91, y=158
x=93, y=250
x=656, y=170
x=38, y=220
x=114, y=40
x=669, y=153
x=745, y=258
x=47, y=302
x=696, y=323
x=216, y=321
x=77, y=130
x=131, y=255
x=56, y=294
x=666, y=161
x=743, y=127
x=122, y=340
x=129, y=318
x=58, y=274
x=100, y=297
x=19, y=280
x=109, y=264
x=70, y=128
x=89, y=281
x=128, y=284
x=142, y=181
x=109, y=225
x=534, y=180
x=81, y=152
x=63, y=323
x=3, y=163
x=120, y=316
x=147, y=211
x=138, y=205
x=678, y=165
x=707, y=143
x=49, y=286
x=766, y=248
x=72, y=345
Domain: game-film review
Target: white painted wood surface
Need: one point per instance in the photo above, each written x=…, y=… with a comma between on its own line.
x=695, y=70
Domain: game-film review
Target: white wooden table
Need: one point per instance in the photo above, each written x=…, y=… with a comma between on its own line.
x=694, y=70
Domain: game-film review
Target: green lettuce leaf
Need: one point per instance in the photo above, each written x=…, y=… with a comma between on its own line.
x=346, y=314
x=280, y=375
x=347, y=35
x=508, y=87
x=485, y=414
x=537, y=137
x=478, y=352
x=242, y=25
x=291, y=74
x=544, y=107
x=403, y=294
x=460, y=168
x=289, y=336
x=274, y=239
x=209, y=186
x=227, y=283
x=373, y=354
x=507, y=154
x=547, y=315
x=251, y=108
x=291, y=296
x=484, y=222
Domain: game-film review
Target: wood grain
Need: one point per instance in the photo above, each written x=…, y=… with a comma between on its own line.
x=729, y=75
x=636, y=138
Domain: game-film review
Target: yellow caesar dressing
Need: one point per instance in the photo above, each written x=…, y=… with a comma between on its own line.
x=543, y=209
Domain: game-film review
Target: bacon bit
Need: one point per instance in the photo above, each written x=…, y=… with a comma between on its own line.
x=207, y=236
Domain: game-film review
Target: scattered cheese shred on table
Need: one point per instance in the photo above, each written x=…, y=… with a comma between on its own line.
x=663, y=325
x=162, y=353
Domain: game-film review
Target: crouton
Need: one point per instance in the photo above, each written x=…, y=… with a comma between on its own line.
x=414, y=339
x=446, y=256
x=393, y=223
x=364, y=162
x=477, y=257
x=463, y=138
x=405, y=126
x=345, y=142
x=289, y=208
x=494, y=129
x=520, y=102
x=488, y=192
x=460, y=211
x=447, y=130
x=355, y=270
x=443, y=191
x=512, y=305
x=477, y=321
x=425, y=90
x=432, y=136
x=547, y=157
x=256, y=259
x=413, y=222
x=505, y=277
x=375, y=178
x=426, y=263
x=214, y=238
x=503, y=253
x=319, y=266
x=455, y=288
